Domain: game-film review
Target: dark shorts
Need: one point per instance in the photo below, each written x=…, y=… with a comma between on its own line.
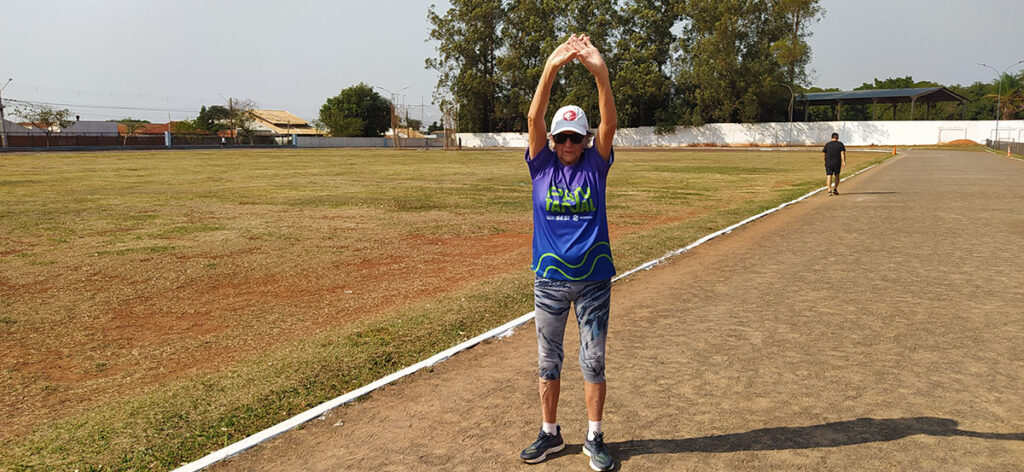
x=833, y=167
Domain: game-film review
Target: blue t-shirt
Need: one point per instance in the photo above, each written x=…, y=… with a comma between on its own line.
x=570, y=226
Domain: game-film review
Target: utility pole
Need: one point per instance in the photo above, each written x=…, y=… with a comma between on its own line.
x=3, y=124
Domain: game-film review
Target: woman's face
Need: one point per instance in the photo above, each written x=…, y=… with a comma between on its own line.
x=569, y=152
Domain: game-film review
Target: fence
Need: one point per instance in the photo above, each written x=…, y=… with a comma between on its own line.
x=36, y=140
x=1014, y=147
x=380, y=142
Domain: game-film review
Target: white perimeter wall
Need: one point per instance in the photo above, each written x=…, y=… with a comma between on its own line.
x=852, y=133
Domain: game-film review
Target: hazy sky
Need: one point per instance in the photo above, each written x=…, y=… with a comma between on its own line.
x=159, y=59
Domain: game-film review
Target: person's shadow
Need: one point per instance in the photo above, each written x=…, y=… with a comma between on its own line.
x=843, y=433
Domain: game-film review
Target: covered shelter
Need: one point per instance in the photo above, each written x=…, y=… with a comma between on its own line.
x=913, y=96
x=281, y=123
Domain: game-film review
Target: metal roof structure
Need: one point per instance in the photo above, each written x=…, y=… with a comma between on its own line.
x=93, y=128
x=14, y=128
x=283, y=123
x=928, y=95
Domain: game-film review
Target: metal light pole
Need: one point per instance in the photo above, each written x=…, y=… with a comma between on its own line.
x=394, y=117
x=3, y=124
x=999, y=93
x=791, y=96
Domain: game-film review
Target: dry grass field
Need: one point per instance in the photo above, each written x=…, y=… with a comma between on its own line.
x=155, y=306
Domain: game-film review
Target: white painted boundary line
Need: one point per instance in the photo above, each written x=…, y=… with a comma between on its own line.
x=500, y=332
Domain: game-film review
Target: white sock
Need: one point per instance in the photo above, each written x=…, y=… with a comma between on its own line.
x=594, y=428
x=550, y=428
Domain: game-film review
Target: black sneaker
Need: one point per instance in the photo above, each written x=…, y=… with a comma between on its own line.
x=545, y=443
x=835, y=192
x=600, y=459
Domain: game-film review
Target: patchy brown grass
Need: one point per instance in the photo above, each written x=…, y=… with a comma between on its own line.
x=125, y=277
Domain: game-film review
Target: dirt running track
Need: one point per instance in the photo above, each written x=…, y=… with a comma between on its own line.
x=882, y=329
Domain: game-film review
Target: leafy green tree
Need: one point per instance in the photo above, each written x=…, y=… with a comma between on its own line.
x=597, y=19
x=434, y=127
x=791, y=50
x=736, y=52
x=469, y=39
x=643, y=54
x=189, y=128
x=711, y=42
x=412, y=123
x=356, y=111
x=529, y=36
x=131, y=126
x=214, y=119
x=979, y=105
x=1009, y=95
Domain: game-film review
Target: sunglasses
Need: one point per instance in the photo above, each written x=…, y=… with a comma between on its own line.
x=575, y=138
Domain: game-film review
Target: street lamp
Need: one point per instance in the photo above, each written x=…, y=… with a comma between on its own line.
x=3, y=125
x=789, y=141
x=999, y=93
x=791, y=97
x=394, y=120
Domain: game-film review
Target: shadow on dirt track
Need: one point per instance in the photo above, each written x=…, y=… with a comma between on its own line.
x=843, y=433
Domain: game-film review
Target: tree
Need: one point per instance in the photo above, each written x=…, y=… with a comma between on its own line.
x=979, y=105
x=242, y=118
x=1009, y=95
x=434, y=127
x=529, y=36
x=130, y=127
x=791, y=50
x=468, y=44
x=191, y=129
x=643, y=54
x=734, y=52
x=356, y=111
x=213, y=119
x=412, y=123
x=597, y=19
x=45, y=118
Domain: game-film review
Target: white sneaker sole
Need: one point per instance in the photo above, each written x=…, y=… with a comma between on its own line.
x=545, y=455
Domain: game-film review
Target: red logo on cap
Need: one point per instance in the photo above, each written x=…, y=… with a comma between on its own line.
x=569, y=116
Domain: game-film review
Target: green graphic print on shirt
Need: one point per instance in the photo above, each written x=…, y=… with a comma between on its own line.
x=562, y=201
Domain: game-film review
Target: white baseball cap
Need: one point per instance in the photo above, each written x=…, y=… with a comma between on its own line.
x=570, y=118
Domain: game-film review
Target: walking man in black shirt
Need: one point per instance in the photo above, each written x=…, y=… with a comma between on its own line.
x=835, y=160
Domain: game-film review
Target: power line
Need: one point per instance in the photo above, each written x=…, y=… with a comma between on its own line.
x=104, y=107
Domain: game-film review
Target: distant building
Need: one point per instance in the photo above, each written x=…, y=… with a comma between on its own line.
x=282, y=123
x=147, y=129
x=91, y=128
x=40, y=127
x=16, y=128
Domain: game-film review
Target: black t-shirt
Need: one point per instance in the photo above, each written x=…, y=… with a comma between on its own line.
x=833, y=151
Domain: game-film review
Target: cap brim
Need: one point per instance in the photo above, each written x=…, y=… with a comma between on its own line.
x=567, y=128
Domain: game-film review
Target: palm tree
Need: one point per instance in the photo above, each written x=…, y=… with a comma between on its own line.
x=1010, y=94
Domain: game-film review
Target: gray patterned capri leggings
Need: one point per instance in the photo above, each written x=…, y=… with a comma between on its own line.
x=552, y=299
